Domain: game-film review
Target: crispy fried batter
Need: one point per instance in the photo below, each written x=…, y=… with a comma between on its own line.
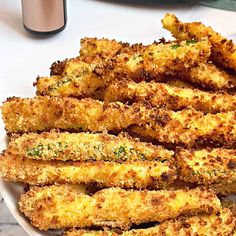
x=81, y=79
x=221, y=224
x=223, y=50
x=179, y=83
x=206, y=75
x=58, y=67
x=94, y=50
x=45, y=113
x=230, y=204
x=209, y=76
x=77, y=79
x=59, y=206
x=187, y=127
x=164, y=95
x=191, y=128
x=224, y=189
x=129, y=174
x=85, y=147
x=207, y=166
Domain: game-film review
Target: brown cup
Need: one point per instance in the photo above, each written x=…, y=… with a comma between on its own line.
x=44, y=16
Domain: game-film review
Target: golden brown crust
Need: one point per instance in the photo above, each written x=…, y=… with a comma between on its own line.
x=174, y=81
x=95, y=50
x=224, y=189
x=59, y=206
x=209, y=76
x=221, y=224
x=58, y=67
x=45, y=113
x=223, y=50
x=191, y=128
x=169, y=97
x=207, y=166
x=129, y=174
x=66, y=146
x=205, y=75
x=229, y=204
x=81, y=79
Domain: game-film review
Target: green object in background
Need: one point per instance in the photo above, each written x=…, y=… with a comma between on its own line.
x=221, y=4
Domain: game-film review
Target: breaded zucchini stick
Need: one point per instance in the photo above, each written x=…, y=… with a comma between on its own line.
x=129, y=174
x=179, y=83
x=230, y=204
x=223, y=50
x=85, y=147
x=207, y=166
x=81, y=79
x=76, y=79
x=61, y=206
x=45, y=113
x=224, y=189
x=191, y=128
x=94, y=50
x=209, y=76
x=206, y=75
x=201, y=225
x=164, y=95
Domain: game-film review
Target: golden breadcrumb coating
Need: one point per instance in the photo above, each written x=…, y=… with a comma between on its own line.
x=45, y=113
x=61, y=206
x=223, y=50
x=129, y=174
x=209, y=76
x=207, y=166
x=164, y=95
x=220, y=224
x=78, y=79
x=226, y=202
x=224, y=189
x=85, y=146
x=93, y=49
x=191, y=128
x=179, y=83
x=206, y=75
x=81, y=79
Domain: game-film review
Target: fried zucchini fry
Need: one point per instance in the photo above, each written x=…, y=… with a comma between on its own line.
x=59, y=206
x=94, y=50
x=209, y=76
x=129, y=174
x=230, y=204
x=179, y=83
x=190, y=128
x=81, y=79
x=78, y=79
x=224, y=189
x=201, y=225
x=45, y=113
x=164, y=95
x=207, y=166
x=85, y=147
x=223, y=50
x=206, y=75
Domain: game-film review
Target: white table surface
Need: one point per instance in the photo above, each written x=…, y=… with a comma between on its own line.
x=23, y=56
